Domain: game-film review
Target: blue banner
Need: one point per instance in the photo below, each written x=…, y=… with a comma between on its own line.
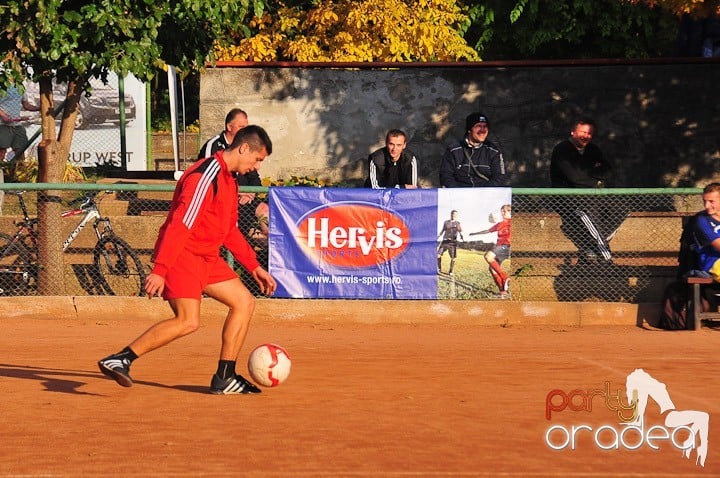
x=353, y=243
x=390, y=243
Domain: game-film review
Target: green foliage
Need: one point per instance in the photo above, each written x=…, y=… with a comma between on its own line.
x=74, y=41
x=517, y=10
x=472, y=277
x=536, y=29
x=307, y=181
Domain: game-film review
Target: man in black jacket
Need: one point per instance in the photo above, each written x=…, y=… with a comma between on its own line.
x=473, y=161
x=589, y=221
x=249, y=205
x=392, y=166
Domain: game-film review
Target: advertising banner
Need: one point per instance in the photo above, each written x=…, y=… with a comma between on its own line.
x=96, y=140
x=387, y=243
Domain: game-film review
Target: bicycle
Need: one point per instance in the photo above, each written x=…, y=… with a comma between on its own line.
x=118, y=268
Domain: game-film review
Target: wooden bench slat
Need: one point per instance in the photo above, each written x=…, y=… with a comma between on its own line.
x=700, y=280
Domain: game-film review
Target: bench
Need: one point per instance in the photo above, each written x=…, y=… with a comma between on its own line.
x=696, y=306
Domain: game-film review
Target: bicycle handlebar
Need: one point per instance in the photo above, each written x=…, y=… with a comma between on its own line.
x=88, y=197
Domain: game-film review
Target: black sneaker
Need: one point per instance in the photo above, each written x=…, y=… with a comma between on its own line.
x=231, y=386
x=117, y=369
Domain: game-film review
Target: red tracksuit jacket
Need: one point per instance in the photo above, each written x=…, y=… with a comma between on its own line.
x=203, y=216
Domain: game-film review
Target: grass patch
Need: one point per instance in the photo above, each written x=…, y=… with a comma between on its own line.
x=472, y=277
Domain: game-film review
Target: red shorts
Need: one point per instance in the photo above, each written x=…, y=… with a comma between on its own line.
x=190, y=274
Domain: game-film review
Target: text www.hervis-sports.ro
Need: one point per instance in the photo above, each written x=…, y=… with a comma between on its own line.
x=353, y=279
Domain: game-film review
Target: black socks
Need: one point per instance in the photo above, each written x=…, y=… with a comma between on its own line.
x=127, y=353
x=226, y=369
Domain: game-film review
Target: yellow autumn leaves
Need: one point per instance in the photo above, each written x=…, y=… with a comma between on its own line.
x=351, y=31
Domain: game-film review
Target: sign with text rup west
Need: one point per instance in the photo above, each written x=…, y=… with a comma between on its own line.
x=353, y=243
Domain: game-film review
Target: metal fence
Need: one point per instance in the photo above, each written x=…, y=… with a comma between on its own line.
x=602, y=245
x=615, y=245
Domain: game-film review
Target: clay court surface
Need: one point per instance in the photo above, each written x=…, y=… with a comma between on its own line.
x=423, y=400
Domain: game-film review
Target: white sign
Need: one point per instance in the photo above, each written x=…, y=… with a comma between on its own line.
x=96, y=140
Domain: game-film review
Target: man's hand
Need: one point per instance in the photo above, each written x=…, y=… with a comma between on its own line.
x=154, y=285
x=265, y=280
x=262, y=213
x=245, y=198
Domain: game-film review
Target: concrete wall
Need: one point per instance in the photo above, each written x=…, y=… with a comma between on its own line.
x=659, y=123
x=489, y=313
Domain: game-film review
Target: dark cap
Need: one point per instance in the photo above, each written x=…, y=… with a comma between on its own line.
x=475, y=118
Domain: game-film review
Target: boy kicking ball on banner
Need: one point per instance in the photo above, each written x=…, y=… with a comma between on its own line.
x=501, y=251
x=203, y=217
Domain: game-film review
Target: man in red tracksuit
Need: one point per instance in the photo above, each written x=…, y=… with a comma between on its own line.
x=187, y=263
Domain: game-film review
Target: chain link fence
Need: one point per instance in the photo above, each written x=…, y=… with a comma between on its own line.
x=567, y=245
x=598, y=245
x=106, y=234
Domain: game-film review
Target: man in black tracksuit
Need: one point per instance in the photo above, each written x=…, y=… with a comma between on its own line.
x=473, y=161
x=590, y=222
x=392, y=166
x=253, y=212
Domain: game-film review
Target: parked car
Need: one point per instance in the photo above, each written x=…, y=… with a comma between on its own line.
x=101, y=106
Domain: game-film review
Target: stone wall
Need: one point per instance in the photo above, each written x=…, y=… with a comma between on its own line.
x=658, y=122
x=163, y=154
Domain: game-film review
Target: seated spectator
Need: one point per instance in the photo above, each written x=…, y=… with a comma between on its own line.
x=474, y=161
x=706, y=232
x=590, y=222
x=392, y=166
x=249, y=204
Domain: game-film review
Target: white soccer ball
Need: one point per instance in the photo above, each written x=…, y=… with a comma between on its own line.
x=269, y=365
x=494, y=217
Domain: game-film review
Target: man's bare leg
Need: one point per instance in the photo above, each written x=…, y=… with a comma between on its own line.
x=186, y=321
x=241, y=306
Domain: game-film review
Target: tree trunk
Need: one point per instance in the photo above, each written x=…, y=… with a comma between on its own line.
x=51, y=276
x=47, y=109
x=53, y=153
x=67, y=123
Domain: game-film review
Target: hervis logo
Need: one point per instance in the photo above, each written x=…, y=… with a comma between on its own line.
x=353, y=234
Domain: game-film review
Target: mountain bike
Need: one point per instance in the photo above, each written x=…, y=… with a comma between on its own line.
x=117, y=267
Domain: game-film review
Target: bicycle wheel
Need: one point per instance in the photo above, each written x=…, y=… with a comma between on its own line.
x=119, y=268
x=18, y=268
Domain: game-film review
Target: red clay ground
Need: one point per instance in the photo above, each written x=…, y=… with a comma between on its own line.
x=362, y=400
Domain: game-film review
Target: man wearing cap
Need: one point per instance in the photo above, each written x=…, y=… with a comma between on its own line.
x=473, y=161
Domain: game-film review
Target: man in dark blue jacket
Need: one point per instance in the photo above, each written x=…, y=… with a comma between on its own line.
x=473, y=161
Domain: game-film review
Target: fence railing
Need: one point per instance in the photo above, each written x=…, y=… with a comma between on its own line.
x=615, y=245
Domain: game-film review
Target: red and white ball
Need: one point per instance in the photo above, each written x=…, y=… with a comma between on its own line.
x=269, y=365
